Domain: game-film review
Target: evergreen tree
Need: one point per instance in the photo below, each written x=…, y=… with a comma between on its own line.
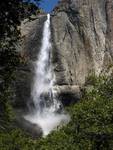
x=12, y=12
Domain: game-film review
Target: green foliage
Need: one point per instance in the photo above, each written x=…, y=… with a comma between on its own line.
x=91, y=125
x=11, y=14
x=90, y=128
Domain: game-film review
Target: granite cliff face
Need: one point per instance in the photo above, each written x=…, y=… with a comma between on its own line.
x=82, y=38
x=31, y=34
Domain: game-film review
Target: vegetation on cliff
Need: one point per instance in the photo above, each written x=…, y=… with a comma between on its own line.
x=90, y=128
x=11, y=14
x=91, y=125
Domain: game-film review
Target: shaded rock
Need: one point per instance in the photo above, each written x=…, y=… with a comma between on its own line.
x=32, y=129
x=31, y=32
x=22, y=87
x=68, y=94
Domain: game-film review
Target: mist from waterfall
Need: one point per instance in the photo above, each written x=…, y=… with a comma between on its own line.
x=46, y=112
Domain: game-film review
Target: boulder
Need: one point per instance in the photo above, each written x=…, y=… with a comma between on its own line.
x=30, y=128
x=68, y=94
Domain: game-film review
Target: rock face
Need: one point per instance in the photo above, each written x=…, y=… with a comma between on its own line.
x=82, y=38
x=31, y=40
x=32, y=129
x=82, y=32
x=68, y=94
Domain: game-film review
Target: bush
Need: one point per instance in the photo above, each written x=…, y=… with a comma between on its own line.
x=90, y=128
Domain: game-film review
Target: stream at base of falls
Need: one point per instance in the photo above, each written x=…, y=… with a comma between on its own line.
x=47, y=111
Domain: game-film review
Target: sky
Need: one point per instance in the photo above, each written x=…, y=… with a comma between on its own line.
x=48, y=5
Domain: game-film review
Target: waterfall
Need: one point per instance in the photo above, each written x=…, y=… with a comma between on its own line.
x=46, y=105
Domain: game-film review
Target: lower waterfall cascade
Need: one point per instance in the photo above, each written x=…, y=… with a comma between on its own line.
x=47, y=112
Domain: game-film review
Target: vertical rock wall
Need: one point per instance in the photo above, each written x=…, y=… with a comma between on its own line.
x=82, y=39
x=31, y=32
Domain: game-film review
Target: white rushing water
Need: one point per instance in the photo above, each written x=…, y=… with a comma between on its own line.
x=46, y=106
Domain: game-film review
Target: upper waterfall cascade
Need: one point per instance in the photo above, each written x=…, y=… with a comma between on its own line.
x=46, y=105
